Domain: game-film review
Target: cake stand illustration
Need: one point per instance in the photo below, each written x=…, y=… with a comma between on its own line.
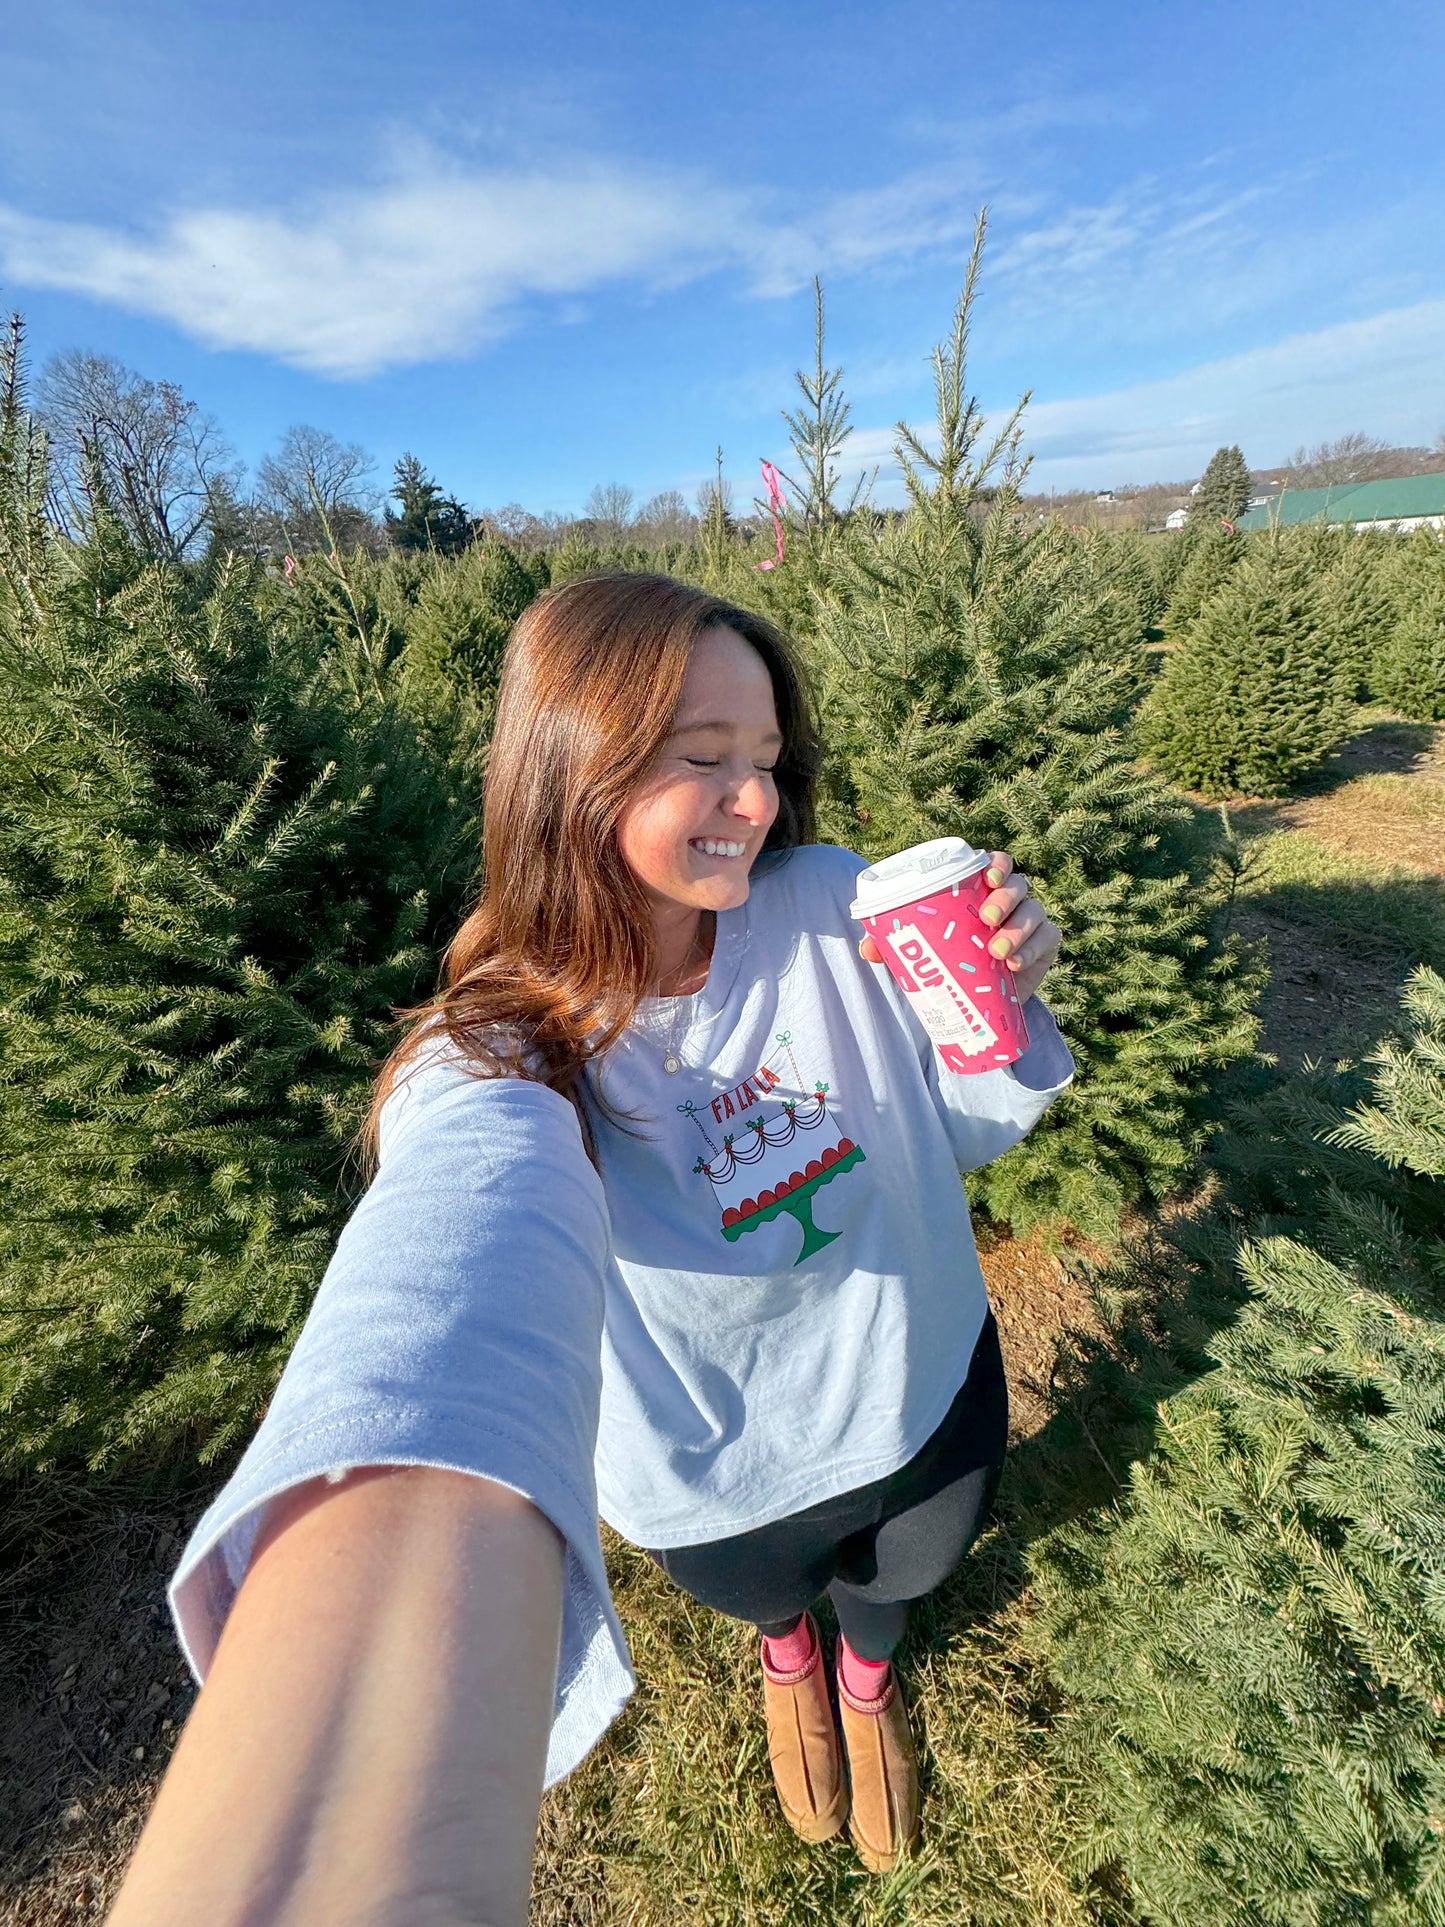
x=776, y=1163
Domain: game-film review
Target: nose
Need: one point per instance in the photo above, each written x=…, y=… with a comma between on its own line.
x=753, y=799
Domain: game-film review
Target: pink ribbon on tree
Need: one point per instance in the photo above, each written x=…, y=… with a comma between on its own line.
x=777, y=506
x=290, y=567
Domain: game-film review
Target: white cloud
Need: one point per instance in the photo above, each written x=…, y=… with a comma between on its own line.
x=1385, y=375
x=1157, y=256
x=424, y=268
x=441, y=257
x=435, y=262
x=924, y=211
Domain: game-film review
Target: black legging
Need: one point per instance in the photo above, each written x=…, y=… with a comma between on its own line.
x=875, y=1549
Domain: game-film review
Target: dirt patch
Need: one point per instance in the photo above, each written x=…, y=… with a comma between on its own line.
x=1034, y=1296
x=1388, y=746
x=97, y=1694
x=1323, y=1001
x=1394, y=821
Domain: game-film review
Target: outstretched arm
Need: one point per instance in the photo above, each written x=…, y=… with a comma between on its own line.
x=368, y=1748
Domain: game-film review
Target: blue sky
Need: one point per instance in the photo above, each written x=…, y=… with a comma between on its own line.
x=548, y=245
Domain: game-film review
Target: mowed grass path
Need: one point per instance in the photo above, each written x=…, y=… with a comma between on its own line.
x=1346, y=886
x=673, y=1818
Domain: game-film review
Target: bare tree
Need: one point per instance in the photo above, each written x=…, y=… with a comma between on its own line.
x=1356, y=457
x=316, y=492
x=519, y=528
x=165, y=469
x=610, y=508
x=666, y=518
x=715, y=498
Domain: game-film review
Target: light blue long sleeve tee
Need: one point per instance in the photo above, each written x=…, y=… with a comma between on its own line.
x=768, y=1296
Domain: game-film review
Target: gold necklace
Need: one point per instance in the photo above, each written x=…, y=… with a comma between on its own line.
x=671, y=1062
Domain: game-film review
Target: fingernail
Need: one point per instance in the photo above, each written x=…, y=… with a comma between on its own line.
x=991, y=913
x=1000, y=947
x=993, y=877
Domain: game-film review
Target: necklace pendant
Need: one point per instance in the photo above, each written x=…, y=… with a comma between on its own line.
x=671, y=1064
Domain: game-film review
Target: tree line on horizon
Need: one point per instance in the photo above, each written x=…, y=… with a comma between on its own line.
x=176, y=484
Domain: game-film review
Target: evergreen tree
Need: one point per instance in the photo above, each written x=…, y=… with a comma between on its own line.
x=818, y=432
x=1253, y=698
x=977, y=681
x=427, y=519
x=1209, y=555
x=1409, y=666
x=574, y=557
x=717, y=537
x=1250, y=1644
x=1354, y=600
x=223, y=861
x=1224, y=489
x=464, y=613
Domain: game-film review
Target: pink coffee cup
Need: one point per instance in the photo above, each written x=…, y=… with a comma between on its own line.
x=921, y=909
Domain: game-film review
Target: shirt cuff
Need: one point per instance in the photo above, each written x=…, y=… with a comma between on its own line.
x=1047, y=1064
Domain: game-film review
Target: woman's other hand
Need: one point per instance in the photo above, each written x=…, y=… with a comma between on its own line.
x=1025, y=939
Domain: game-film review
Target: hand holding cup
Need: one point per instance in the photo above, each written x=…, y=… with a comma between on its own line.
x=1026, y=940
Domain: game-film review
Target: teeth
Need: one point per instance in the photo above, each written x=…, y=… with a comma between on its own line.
x=714, y=846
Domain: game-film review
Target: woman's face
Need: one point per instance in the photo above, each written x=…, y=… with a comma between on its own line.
x=693, y=827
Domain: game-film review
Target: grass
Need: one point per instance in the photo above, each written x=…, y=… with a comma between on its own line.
x=673, y=1818
x=1370, y=908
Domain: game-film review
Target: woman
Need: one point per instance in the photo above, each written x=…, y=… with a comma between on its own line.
x=575, y=1261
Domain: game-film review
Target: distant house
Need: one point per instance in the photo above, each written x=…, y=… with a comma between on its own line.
x=1176, y=518
x=1104, y=495
x=1403, y=503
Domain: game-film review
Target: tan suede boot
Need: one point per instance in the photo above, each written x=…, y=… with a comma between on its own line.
x=803, y=1748
x=883, y=1770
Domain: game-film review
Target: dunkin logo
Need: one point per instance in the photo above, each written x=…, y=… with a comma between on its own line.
x=947, y=1011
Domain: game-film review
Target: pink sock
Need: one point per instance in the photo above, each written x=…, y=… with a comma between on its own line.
x=864, y=1679
x=791, y=1653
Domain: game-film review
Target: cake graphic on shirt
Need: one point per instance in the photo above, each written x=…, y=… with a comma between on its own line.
x=769, y=1154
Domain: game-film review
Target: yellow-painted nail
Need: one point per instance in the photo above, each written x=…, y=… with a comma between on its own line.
x=994, y=878
x=991, y=913
x=1001, y=946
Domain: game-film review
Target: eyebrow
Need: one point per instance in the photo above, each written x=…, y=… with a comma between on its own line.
x=722, y=729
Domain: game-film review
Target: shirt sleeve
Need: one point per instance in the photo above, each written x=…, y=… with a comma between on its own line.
x=987, y=1112
x=459, y=1325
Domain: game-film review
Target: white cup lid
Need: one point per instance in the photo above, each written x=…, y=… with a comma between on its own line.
x=916, y=873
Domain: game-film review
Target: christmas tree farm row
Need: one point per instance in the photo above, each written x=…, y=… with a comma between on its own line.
x=1276, y=636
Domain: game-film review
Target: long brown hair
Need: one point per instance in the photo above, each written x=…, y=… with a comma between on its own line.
x=548, y=969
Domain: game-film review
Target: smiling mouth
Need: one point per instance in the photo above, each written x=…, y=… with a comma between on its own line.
x=716, y=846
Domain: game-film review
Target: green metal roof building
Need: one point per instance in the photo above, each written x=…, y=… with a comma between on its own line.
x=1405, y=503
